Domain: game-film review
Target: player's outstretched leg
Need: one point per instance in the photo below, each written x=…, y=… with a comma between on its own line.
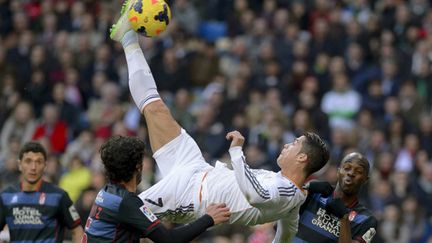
x=161, y=125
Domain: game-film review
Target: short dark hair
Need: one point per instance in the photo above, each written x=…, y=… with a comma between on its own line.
x=359, y=158
x=121, y=156
x=317, y=152
x=34, y=147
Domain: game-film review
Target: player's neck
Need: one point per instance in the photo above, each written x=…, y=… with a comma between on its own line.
x=130, y=185
x=30, y=187
x=296, y=177
x=349, y=200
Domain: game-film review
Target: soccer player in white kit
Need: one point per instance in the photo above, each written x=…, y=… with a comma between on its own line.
x=189, y=183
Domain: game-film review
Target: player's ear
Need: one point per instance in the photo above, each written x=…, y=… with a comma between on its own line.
x=19, y=165
x=139, y=167
x=302, y=157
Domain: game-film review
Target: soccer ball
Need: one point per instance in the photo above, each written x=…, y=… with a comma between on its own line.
x=149, y=17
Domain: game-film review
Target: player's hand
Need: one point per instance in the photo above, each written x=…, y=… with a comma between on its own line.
x=236, y=137
x=337, y=208
x=322, y=187
x=219, y=212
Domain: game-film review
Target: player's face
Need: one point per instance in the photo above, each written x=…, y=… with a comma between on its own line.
x=290, y=151
x=32, y=166
x=351, y=175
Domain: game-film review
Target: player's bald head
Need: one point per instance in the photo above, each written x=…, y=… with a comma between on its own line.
x=358, y=158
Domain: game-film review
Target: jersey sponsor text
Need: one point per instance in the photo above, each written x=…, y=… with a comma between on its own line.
x=26, y=215
x=327, y=222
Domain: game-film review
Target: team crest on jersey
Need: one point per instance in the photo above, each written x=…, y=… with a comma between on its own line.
x=352, y=215
x=42, y=198
x=14, y=199
x=148, y=213
x=323, y=200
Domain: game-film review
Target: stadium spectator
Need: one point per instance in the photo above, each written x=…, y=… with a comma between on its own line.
x=20, y=126
x=52, y=130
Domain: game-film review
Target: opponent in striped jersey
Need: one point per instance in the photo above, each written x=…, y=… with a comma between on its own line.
x=189, y=183
x=339, y=217
x=35, y=210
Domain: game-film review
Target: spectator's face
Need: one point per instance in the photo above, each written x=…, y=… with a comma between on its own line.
x=50, y=114
x=37, y=55
x=298, y=9
x=301, y=119
x=375, y=89
x=355, y=52
x=59, y=92
x=426, y=173
x=426, y=124
x=340, y=83
x=307, y=100
x=320, y=28
x=337, y=65
x=182, y=99
x=32, y=166
x=351, y=175
x=23, y=113
x=391, y=213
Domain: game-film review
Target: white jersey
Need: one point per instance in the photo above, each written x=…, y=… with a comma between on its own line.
x=190, y=185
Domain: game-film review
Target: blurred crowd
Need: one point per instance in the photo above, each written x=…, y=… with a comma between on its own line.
x=357, y=72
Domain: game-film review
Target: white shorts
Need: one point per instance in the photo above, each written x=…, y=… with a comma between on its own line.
x=182, y=166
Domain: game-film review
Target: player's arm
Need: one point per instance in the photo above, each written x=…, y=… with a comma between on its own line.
x=364, y=235
x=216, y=213
x=255, y=192
x=5, y=234
x=345, y=231
x=322, y=187
x=70, y=217
x=134, y=213
x=77, y=234
x=286, y=228
x=183, y=233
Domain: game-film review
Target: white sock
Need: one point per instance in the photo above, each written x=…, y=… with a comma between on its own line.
x=131, y=37
x=141, y=82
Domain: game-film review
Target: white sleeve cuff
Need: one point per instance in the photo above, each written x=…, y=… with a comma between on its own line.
x=236, y=152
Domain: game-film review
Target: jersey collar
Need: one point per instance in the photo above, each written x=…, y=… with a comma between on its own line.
x=298, y=187
x=352, y=204
x=38, y=187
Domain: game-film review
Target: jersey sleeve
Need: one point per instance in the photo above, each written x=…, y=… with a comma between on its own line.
x=287, y=227
x=67, y=212
x=258, y=193
x=366, y=231
x=134, y=213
